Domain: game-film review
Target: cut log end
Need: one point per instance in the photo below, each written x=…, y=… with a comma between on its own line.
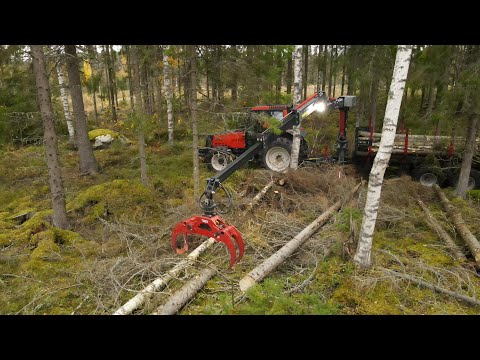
x=246, y=283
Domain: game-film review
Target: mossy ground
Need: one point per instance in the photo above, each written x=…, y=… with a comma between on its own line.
x=93, y=268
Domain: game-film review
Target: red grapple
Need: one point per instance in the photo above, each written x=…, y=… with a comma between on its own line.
x=214, y=227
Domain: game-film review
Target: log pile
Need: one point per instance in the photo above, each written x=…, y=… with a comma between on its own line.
x=418, y=144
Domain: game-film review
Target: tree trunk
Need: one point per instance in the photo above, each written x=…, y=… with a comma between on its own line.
x=269, y=265
x=305, y=71
x=435, y=226
x=330, y=72
x=111, y=82
x=187, y=292
x=431, y=101
x=335, y=70
x=66, y=110
x=422, y=99
x=400, y=71
x=160, y=283
x=319, y=68
x=54, y=171
x=139, y=113
x=114, y=78
x=129, y=75
x=91, y=57
x=88, y=163
x=324, y=70
x=343, y=68
x=289, y=75
x=373, y=100
x=193, y=115
x=159, y=58
x=467, y=158
x=297, y=99
x=168, y=96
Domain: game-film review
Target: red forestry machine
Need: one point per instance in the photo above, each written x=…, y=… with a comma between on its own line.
x=230, y=151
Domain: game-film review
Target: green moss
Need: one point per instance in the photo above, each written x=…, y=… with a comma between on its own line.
x=46, y=248
x=99, y=132
x=377, y=300
x=117, y=196
x=474, y=194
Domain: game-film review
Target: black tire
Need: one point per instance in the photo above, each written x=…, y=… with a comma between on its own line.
x=273, y=158
x=474, y=174
x=428, y=175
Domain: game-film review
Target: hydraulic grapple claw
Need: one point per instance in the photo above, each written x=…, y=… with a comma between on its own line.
x=214, y=227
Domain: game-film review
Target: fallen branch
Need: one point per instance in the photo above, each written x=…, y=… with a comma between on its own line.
x=160, y=283
x=259, y=196
x=447, y=239
x=470, y=240
x=265, y=268
x=420, y=282
x=188, y=291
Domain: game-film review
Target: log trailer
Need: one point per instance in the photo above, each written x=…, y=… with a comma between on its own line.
x=274, y=149
x=428, y=159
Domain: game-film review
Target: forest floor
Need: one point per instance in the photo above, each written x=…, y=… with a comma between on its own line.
x=120, y=239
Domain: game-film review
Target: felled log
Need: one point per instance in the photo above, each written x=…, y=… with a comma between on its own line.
x=259, y=196
x=469, y=239
x=265, y=268
x=422, y=283
x=437, y=227
x=160, y=283
x=426, y=138
x=188, y=291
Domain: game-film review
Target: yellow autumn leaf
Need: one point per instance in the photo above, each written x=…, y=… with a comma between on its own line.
x=87, y=70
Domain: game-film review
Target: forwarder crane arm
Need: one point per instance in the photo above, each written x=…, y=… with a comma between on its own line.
x=212, y=225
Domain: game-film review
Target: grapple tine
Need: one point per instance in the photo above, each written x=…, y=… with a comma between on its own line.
x=180, y=229
x=235, y=235
x=227, y=240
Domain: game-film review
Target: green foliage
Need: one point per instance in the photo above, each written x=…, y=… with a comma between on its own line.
x=347, y=215
x=271, y=123
x=474, y=194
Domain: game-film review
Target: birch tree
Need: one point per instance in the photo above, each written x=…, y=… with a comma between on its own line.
x=397, y=86
x=167, y=75
x=193, y=115
x=54, y=171
x=297, y=99
x=64, y=97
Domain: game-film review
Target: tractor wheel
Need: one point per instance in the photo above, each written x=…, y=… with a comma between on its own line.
x=277, y=156
x=473, y=181
x=428, y=176
x=218, y=161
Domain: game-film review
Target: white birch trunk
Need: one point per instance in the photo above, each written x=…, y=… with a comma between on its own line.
x=297, y=99
x=397, y=86
x=64, y=97
x=160, y=283
x=167, y=74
